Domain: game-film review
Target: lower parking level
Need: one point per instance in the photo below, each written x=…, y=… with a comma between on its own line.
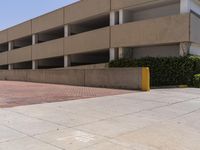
x=163, y=119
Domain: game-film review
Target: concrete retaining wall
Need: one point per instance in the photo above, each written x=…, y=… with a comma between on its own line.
x=125, y=78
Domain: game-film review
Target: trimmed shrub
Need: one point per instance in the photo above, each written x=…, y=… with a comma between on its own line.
x=196, y=81
x=166, y=70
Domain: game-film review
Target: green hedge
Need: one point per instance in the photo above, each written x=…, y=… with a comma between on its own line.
x=196, y=81
x=165, y=71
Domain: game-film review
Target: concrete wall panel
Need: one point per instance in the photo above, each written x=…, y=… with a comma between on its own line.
x=88, y=41
x=118, y=4
x=19, y=31
x=49, y=49
x=164, y=30
x=14, y=75
x=85, y=9
x=194, y=29
x=48, y=21
x=116, y=78
x=70, y=77
x=19, y=55
x=3, y=36
x=126, y=78
x=3, y=58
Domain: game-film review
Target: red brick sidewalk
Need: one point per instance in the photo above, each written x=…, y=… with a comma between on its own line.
x=25, y=93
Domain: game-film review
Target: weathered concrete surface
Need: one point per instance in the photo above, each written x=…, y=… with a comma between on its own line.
x=123, y=78
x=165, y=119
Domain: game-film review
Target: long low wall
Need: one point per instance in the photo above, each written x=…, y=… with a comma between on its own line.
x=124, y=78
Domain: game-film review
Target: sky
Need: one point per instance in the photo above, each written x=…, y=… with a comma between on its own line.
x=13, y=12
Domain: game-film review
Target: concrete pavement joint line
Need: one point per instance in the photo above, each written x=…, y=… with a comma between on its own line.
x=117, y=116
x=74, y=127
x=159, y=122
x=27, y=135
x=134, y=113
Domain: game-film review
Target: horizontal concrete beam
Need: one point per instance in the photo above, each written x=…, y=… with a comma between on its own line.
x=125, y=78
x=164, y=30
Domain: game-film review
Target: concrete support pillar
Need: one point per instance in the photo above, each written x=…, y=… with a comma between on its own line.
x=121, y=16
x=114, y=54
x=35, y=39
x=67, y=31
x=121, y=53
x=114, y=18
x=125, y=16
x=34, y=64
x=10, y=47
x=67, y=58
x=195, y=49
x=67, y=61
x=185, y=6
x=10, y=67
x=184, y=48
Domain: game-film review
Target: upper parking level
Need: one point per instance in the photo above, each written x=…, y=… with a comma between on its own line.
x=87, y=15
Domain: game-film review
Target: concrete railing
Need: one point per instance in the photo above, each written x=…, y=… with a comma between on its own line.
x=123, y=78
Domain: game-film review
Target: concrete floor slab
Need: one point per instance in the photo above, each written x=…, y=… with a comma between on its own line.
x=27, y=143
x=70, y=139
x=7, y=134
x=169, y=136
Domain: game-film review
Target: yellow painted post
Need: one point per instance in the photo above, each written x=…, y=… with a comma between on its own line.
x=145, y=79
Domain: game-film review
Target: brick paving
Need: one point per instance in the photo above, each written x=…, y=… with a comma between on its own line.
x=14, y=93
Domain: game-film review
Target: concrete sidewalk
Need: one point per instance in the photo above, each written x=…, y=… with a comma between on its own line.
x=164, y=119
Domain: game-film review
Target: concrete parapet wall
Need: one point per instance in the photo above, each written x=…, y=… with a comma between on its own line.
x=125, y=78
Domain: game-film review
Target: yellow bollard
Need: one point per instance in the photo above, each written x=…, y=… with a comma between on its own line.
x=145, y=79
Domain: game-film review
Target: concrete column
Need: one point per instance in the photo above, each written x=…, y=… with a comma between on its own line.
x=185, y=6
x=67, y=61
x=195, y=49
x=67, y=58
x=114, y=18
x=10, y=67
x=184, y=48
x=67, y=31
x=35, y=40
x=125, y=16
x=10, y=47
x=34, y=64
x=121, y=53
x=114, y=54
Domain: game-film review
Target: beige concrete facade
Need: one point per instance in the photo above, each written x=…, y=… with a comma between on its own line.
x=4, y=58
x=89, y=41
x=20, y=31
x=48, y=21
x=20, y=55
x=165, y=30
x=3, y=36
x=94, y=31
x=48, y=49
x=85, y=9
